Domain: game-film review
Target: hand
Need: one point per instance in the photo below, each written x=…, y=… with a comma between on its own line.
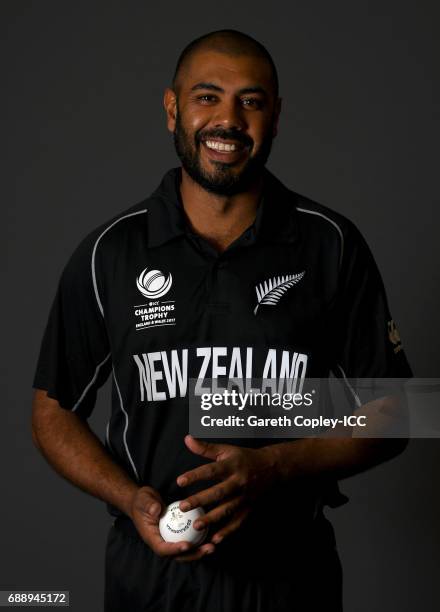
x=245, y=474
x=146, y=509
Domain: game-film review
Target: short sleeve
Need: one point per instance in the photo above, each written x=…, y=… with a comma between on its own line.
x=366, y=342
x=75, y=358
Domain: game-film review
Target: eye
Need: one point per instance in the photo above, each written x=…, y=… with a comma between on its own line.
x=206, y=98
x=252, y=102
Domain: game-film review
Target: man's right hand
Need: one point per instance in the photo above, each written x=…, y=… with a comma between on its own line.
x=146, y=510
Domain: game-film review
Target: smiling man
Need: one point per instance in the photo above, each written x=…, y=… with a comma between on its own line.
x=221, y=270
x=223, y=110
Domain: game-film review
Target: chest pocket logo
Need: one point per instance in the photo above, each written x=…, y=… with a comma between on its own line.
x=271, y=291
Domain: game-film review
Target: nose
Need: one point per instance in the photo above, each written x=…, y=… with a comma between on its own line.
x=229, y=114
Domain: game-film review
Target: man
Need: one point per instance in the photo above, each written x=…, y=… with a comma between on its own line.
x=177, y=287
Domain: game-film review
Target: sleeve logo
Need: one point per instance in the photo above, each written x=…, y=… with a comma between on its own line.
x=271, y=291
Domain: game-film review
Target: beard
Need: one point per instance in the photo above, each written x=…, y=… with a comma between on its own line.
x=222, y=180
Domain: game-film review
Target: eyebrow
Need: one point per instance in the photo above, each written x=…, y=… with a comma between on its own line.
x=245, y=90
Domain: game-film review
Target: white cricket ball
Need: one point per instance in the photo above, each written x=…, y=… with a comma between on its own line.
x=177, y=526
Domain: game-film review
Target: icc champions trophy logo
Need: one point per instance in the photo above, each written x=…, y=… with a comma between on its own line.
x=153, y=284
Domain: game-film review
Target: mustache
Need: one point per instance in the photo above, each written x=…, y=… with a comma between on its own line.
x=230, y=134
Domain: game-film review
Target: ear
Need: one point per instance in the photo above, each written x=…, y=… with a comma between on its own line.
x=170, y=106
x=277, y=113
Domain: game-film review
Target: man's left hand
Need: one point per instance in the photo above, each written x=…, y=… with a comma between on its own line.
x=245, y=474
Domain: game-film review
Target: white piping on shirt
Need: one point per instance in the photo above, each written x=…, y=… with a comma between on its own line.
x=356, y=397
x=98, y=367
x=107, y=434
x=126, y=426
x=95, y=286
x=314, y=212
x=341, y=235
x=98, y=300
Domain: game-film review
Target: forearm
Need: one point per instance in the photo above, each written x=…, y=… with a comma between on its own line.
x=324, y=458
x=77, y=454
x=343, y=452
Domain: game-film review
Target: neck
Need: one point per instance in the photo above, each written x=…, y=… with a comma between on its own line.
x=217, y=218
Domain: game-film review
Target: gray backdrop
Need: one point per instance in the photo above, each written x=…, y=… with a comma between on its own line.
x=86, y=139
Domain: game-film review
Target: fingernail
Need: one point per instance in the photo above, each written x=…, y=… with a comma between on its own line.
x=198, y=525
x=182, y=482
x=217, y=539
x=185, y=506
x=154, y=509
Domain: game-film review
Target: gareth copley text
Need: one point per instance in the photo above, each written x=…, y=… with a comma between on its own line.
x=283, y=421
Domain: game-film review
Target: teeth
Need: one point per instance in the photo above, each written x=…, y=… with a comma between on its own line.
x=220, y=146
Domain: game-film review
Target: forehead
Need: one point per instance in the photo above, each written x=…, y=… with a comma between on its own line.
x=227, y=71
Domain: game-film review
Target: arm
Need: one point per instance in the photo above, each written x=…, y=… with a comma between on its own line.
x=344, y=452
x=75, y=452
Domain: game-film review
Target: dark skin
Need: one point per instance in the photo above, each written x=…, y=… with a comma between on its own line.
x=214, y=90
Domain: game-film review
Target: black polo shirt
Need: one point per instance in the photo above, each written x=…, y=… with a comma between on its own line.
x=145, y=300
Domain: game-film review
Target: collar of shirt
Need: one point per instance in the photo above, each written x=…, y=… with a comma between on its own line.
x=276, y=221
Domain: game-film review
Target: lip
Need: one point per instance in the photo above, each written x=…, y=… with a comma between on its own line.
x=225, y=156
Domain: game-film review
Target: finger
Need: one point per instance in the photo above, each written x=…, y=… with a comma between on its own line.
x=210, y=450
x=220, y=513
x=212, y=495
x=196, y=554
x=154, y=510
x=170, y=549
x=151, y=535
x=232, y=526
x=208, y=471
x=149, y=503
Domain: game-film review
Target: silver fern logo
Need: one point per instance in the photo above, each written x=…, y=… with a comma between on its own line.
x=271, y=291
